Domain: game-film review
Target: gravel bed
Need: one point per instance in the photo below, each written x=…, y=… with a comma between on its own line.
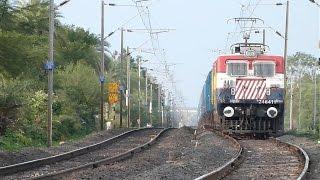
x=121, y=146
x=174, y=156
x=28, y=154
x=264, y=159
x=313, y=150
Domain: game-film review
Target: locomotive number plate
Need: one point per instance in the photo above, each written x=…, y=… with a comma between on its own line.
x=266, y=101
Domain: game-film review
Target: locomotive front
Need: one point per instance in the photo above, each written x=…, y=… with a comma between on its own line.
x=249, y=91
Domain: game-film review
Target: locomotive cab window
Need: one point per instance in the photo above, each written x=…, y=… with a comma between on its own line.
x=264, y=69
x=237, y=68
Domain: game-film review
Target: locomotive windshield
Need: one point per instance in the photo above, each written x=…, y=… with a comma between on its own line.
x=265, y=69
x=237, y=68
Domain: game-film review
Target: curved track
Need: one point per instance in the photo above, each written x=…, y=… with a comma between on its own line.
x=264, y=159
x=111, y=150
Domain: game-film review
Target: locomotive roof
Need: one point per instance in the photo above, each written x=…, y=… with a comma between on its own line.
x=242, y=55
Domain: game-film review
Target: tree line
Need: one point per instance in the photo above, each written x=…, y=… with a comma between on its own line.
x=23, y=78
x=303, y=71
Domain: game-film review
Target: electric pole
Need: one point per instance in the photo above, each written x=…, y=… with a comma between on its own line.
x=162, y=113
x=128, y=88
x=169, y=110
x=286, y=35
x=146, y=88
x=291, y=99
x=50, y=67
x=150, y=104
x=159, y=101
x=50, y=71
x=121, y=78
x=139, y=92
x=315, y=101
x=102, y=77
x=300, y=96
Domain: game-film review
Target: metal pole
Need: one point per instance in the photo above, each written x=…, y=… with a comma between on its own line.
x=128, y=88
x=315, y=101
x=139, y=92
x=159, y=96
x=300, y=96
x=286, y=34
x=264, y=37
x=50, y=72
x=121, y=78
x=162, y=116
x=102, y=78
x=146, y=93
x=121, y=101
x=161, y=103
x=291, y=103
x=150, y=107
x=169, y=110
x=285, y=56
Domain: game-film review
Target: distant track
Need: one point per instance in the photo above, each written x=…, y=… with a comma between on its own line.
x=108, y=151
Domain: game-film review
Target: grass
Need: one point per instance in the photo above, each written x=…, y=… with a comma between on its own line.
x=303, y=133
x=15, y=141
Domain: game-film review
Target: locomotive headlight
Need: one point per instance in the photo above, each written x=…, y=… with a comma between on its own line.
x=228, y=111
x=250, y=53
x=272, y=112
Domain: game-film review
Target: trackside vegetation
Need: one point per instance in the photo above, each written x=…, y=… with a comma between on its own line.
x=23, y=79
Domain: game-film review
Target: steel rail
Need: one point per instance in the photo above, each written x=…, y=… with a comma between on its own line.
x=231, y=164
x=228, y=166
x=12, y=169
x=106, y=161
x=302, y=156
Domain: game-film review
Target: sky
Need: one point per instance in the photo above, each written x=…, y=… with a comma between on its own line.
x=200, y=30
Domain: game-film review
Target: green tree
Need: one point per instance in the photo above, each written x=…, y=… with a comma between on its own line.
x=301, y=68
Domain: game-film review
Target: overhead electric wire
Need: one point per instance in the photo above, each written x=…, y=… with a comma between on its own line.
x=123, y=24
x=153, y=37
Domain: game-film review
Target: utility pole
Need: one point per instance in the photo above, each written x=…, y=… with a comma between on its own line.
x=50, y=71
x=50, y=67
x=146, y=92
x=162, y=116
x=159, y=101
x=150, y=104
x=102, y=77
x=139, y=92
x=128, y=88
x=315, y=101
x=121, y=78
x=285, y=56
x=291, y=99
x=162, y=113
x=169, y=120
x=264, y=37
x=300, y=96
x=121, y=102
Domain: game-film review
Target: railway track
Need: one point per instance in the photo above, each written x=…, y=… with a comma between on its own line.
x=111, y=150
x=263, y=159
x=176, y=156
